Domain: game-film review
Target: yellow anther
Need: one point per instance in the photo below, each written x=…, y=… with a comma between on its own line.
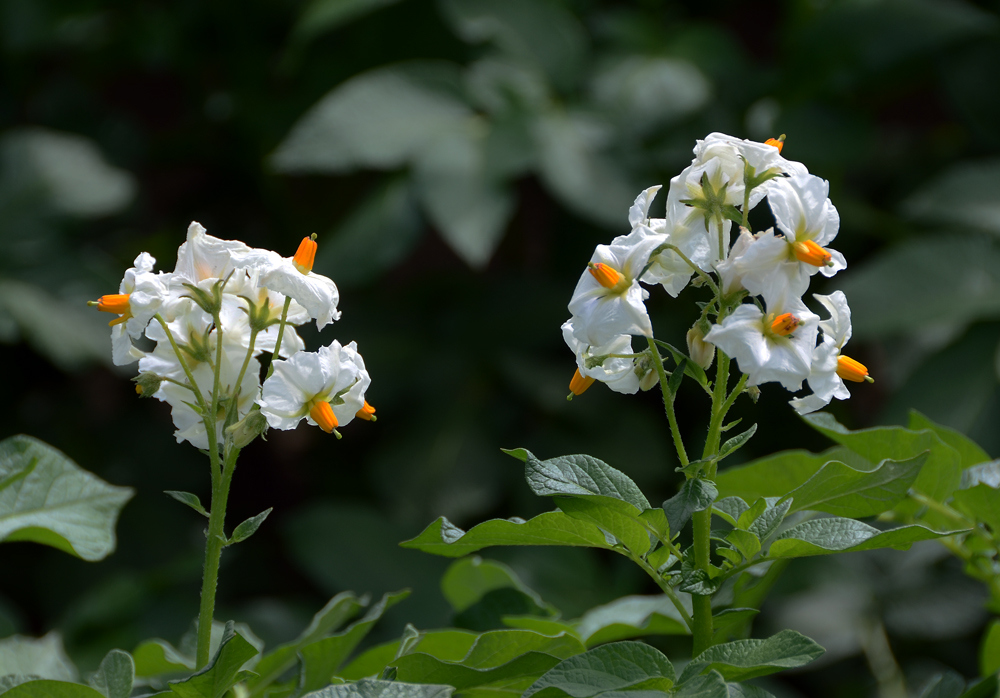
x=606, y=276
x=367, y=413
x=784, y=324
x=305, y=255
x=778, y=142
x=116, y=303
x=323, y=415
x=851, y=370
x=809, y=252
x=579, y=384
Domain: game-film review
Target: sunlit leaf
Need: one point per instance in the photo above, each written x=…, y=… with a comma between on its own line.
x=837, y=535
x=696, y=495
x=618, y=518
x=57, y=503
x=968, y=450
x=581, y=475
x=553, y=528
x=222, y=672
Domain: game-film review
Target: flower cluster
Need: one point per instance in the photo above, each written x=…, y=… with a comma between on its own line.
x=757, y=315
x=223, y=305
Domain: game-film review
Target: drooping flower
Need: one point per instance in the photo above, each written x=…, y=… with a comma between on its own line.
x=140, y=296
x=776, y=346
x=829, y=367
x=326, y=388
x=596, y=364
x=608, y=300
x=778, y=265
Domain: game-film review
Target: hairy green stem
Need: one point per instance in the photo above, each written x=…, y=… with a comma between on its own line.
x=667, y=589
x=246, y=362
x=213, y=554
x=281, y=333
x=668, y=402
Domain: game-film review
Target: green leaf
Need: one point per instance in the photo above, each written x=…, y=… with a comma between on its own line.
x=370, y=662
x=981, y=503
x=466, y=582
x=614, y=667
x=987, y=688
x=696, y=495
x=989, y=649
x=57, y=503
x=940, y=475
x=553, y=528
x=495, y=656
x=42, y=657
x=710, y=685
x=837, y=535
x=742, y=690
x=747, y=543
x=729, y=508
x=780, y=473
x=158, y=657
x=320, y=16
x=631, y=616
x=52, y=689
x=322, y=658
x=745, y=659
x=544, y=626
x=618, y=518
x=375, y=236
x=728, y=619
x=368, y=688
x=467, y=204
x=334, y=614
x=674, y=383
x=949, y=684
x=691, y=368
x=189, y=499
x=222, y=672
x=248, y=527
x=115, y=675
x=380, y=119
x=581, y=475
x=733, y=444
x=837, y=488
x=969, y=451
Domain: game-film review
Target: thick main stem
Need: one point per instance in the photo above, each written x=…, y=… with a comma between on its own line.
x=213, y=554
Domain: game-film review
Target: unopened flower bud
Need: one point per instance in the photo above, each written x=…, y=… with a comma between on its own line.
x=248, y=429
x=753, y=392
x=851, y=370
x=648, y=380
x=146, y=384
x=700, y=351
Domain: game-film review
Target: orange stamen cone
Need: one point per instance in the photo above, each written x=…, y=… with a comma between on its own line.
x=605, y=275
x=809, y=252
x=784, y=324
x=778, y=142
x=323, y=415
x=305, y=255
x=851, y=370
x=367, y=413
x=116, y=303
x=579, y=383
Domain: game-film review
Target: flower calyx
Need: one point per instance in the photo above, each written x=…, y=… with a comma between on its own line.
x=248, y=429
x=146, y=384
x=305, y=256
x=809, y=252
x=712, y=203
x=851, y=370
x=209, y=301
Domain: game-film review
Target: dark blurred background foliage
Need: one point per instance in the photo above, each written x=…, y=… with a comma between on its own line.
x=459, y=160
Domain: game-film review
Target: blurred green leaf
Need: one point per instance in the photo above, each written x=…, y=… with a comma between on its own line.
x=553, y=528
x=619, y=666
x=158, y=657
x=368, y=688
x=541, y=33
x=494, y=657
x=742, y=690
x=730, y=619
x=696, y=495
x=335, y=613
x=981, y=503
x=42, y=657
x=581, y=475
x=631, y=616
x=939, y=476
x=950, y=684
x=924, y=282
x=189, y=499
x=322, y=658
x=987, y=688
x=963, y=197
x=989, y=649
x=371, y=662
x=52, y=689
x=380, y=119
x=778, y=474
x=222, y=672
x=710, y=685
x=838, y=535
x=968, y=450
x=468, y=580
x=837, y=488
x=57, y=503
x=115, y=675
x=465, y=202
x=248, y=527
x=67, y=169
x=746, y=659
x=321, y=16
x=375, y=237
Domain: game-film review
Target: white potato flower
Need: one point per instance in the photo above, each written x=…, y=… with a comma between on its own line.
x=140, y=296
x=617, y=373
